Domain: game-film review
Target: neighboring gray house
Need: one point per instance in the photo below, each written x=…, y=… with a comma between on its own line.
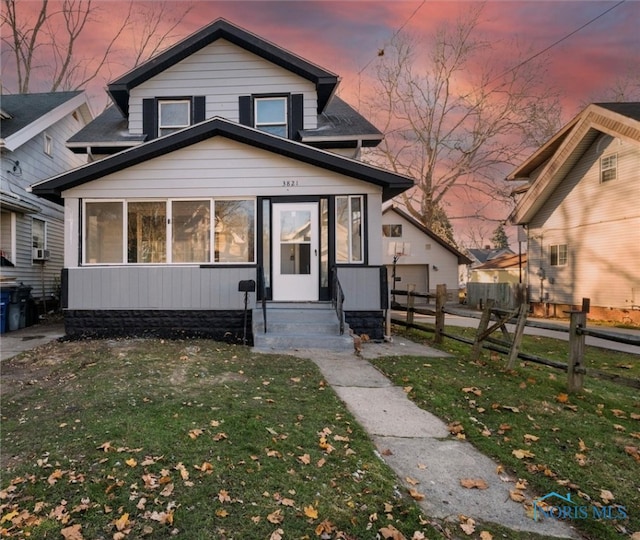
x=33, y=132
x=580, y=208
x=423, y=259
x=224, y=158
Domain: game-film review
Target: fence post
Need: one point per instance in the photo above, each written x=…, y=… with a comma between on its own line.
x=575, y=366
x=441, y=298
x=482, y=327
x=517, y=336
x=410, y=304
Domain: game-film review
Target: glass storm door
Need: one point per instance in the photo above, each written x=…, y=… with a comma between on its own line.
x=295, y=252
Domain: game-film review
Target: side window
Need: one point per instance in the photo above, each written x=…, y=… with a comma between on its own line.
x=173, y=115
x=270, y=115
x=558, y=255
x=7, y=238
x=392, y=231
x=38, y=232
x=48, y=144
x=608, y=168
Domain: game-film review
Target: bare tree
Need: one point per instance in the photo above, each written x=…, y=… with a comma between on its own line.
x=44, y=40
x=453, y=124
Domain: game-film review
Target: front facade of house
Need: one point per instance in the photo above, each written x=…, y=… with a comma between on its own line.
x=582, y=214
x=223, y=159
x=423, y=259
x=33, y=132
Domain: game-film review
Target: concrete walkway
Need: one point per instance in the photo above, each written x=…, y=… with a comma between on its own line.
x=417, y=444
x=25, y=339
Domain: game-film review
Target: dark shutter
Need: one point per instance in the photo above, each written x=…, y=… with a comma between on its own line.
x=150, y=118
x=246, y=111
x=297, y=116
x=199, y=111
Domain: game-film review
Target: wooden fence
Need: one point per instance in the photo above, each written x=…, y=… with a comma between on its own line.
x=511, y=345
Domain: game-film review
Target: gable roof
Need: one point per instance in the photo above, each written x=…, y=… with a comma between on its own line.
x=26, y=115
x=324, y=80
x=462, y=258
x=392, y=184
x=503, y=262
x=559, y=155
x=482, y=255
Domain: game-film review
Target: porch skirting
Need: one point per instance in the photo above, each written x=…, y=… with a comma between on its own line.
x=223, y=325
x=366, y=322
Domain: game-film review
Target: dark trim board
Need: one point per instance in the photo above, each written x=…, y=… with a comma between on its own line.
x=227, y=325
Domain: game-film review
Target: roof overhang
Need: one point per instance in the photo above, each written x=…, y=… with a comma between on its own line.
x=556, y=158
x=325, y=81
x=392, y=184
x=10, y=201
x=17, y=139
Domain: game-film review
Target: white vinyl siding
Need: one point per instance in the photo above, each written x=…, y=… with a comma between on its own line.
x=222, y=72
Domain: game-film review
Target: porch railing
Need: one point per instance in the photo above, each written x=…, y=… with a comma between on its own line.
x=263, y=295
x=337, y=299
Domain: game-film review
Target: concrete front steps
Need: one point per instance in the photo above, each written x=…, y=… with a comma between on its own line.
x=301, y=326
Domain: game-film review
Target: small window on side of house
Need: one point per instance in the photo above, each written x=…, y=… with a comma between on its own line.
x=392, y=231
x=608, y=168
x=558, y=255
x=48, y=144
x=173, y=115
x=38, y=233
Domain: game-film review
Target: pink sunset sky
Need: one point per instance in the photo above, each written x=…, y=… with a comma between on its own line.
x=345, y=37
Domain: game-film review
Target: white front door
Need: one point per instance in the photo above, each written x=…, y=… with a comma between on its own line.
x=295, y=251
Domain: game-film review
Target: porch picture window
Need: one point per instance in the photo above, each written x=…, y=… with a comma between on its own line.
x=349, y=210
x=608, y=168
x=147, y=232
x=234, y=231
x=173, y=115
x=103, y=233
x=190, y=231
x=558, y=255
x=271, y=115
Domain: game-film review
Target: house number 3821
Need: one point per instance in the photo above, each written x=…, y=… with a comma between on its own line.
x=290, y=183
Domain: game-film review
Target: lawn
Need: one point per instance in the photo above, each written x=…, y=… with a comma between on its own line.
x=585, y=444
x=193, y=439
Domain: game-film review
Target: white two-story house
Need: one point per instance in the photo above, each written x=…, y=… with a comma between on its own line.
x=225, y=158
x=33, y=131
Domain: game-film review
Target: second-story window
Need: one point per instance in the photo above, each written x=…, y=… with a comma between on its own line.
x=271, y=115
x=608, y=168
x=173, y=115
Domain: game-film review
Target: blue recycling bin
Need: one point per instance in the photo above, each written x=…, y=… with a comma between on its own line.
x=5, y=298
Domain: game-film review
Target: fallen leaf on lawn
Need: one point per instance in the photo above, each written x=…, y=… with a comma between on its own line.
x=221, y=512
x=223, y=496
x=635, y=416
x=131, y=462
x=635, y=536
x=486, y=535
x=468, y=525
x=418, y=535
x=633, y=452
x=562, y=398
x=521, y=454
x=512, y=409
x=311, y=512
x=304, y=459
x=276, y=535
x=581, y=459
x=388, y=508
x=391, y=533
x=287, y=502
x=582, y=446
x=455, y=428
x=606, y=496
x=473, y=483
x=408, y=389
x=168, y=490
x=74, y=532
x=416, y=495
x=619, y=413
x=275, y=517
x=517, y=496
x=472, y=390
x=105, y=447
x=122, y=522
x=205, y=467
x=195, y=433
x=220, y=437
x=54, y=477
x=321, y=462
x=530, y=438
x=618, y=427
x=326, y=527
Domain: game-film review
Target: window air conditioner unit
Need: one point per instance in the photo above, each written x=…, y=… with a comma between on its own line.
x=40, y=254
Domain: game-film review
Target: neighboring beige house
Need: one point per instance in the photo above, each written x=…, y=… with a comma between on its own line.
x=33, y=132
x=504, y=269
x=423, y=259
x=581, y=211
